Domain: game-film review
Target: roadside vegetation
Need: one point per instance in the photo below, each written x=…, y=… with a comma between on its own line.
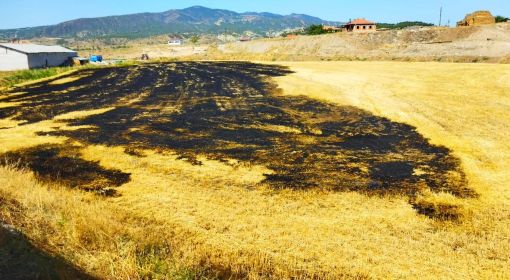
x=9, y=79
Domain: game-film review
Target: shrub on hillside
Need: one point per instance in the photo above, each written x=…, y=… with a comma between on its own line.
x=403, y=24
x=502, y=19
x=315, y=29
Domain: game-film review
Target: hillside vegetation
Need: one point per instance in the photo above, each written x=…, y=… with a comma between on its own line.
x=403, y=24
x=194, y=20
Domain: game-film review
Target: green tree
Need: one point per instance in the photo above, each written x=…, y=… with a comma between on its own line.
x=315, y=29
x=194, y=39
x=501, y=19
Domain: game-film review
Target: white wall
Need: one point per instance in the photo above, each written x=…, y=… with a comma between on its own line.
x=11, y=60
x=38, y=60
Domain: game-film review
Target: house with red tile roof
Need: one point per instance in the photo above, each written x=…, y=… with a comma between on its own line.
x=360, y=25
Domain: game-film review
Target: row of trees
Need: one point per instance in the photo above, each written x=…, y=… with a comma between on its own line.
x=403, y=24
x=317, y=29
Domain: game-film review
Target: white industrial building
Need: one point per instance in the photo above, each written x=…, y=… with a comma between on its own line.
x=29, y=56
x=175, y=42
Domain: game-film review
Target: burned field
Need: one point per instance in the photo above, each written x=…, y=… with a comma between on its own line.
x=232, y=111
x=64, y=165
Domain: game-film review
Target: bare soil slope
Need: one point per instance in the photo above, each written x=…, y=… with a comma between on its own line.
x=488, y=43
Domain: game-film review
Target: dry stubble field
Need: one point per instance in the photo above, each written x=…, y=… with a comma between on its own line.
x=319, y=169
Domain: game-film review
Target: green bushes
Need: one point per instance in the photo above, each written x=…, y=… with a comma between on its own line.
x=502, y=19
x=403, y=24
x=315, y=29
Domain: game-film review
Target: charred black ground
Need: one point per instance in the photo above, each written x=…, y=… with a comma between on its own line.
x=234, y=111
x=62, y=163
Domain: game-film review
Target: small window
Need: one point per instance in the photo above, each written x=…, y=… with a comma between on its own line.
x=364, y=27
x=370, y=27
x=357, y=27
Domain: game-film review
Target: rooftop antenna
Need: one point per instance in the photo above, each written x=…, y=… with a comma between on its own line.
x=440, y=15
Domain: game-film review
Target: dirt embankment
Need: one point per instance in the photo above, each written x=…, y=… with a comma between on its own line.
x=482, y=43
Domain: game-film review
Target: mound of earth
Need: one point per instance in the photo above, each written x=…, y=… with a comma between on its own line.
x=487, y=43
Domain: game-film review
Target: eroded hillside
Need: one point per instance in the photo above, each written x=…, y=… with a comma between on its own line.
x=481, y=43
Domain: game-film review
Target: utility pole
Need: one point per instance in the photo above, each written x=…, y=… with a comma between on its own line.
x=440, y=15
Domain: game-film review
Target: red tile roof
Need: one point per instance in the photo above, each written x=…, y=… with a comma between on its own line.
x=360, y=21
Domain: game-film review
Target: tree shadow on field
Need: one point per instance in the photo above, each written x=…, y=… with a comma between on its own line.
x=232, y=110
x=19, y=259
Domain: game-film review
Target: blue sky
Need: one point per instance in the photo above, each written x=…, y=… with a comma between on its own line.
x=23, y=13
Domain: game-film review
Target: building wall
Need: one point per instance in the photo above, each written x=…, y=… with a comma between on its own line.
x=360, y=29
x=11, y=60
x=39, y=60
x=364, y=28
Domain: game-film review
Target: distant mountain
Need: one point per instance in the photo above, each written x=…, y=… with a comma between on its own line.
x=195, y=19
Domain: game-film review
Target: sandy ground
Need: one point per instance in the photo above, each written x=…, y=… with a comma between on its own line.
x=135, y=51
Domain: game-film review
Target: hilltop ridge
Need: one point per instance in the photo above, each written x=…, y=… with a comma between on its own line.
x=196, y=19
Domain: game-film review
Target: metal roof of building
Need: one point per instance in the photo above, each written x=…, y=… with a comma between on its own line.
x=33, y=48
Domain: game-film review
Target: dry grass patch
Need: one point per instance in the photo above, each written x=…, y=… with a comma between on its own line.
x=93, y=234
x=66, y=80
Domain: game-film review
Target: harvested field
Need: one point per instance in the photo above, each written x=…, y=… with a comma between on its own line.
x=242, y=170
x=230, y=111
